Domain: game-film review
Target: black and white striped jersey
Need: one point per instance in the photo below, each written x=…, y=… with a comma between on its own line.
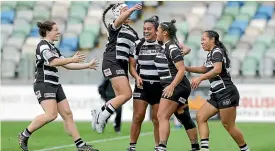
x=165, y=62
x=145, y=54
x=223, y=80
x=121, y=42
x=46, y=52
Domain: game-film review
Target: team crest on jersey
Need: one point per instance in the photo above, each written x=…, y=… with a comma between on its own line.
x=55, y=53
x=107, y=72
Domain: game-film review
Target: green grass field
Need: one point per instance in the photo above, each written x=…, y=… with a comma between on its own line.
x=259, y=136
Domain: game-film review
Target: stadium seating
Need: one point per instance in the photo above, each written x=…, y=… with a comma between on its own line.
x=19, y=34
x=246, y=28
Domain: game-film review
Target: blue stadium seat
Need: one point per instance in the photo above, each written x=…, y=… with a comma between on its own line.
x=136, y=14
x=34, y=32
x=261, y=16
x=71, y=42
x=234, y=3
x=66, y=50
x=7, y=16
x=235, y=31
x=239, y=24
x=265, y=9
x=3, y=21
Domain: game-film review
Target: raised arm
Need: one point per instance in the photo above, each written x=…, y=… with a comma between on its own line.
x=125, y=15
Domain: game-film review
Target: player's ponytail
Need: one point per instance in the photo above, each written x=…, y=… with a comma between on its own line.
x=171, y=29
x=105, y=12
x=221, y=45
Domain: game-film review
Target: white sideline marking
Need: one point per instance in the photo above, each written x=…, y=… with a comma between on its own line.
x=98, y=141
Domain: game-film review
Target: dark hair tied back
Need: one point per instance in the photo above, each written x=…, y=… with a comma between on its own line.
x=154, y=20
x=105, y=12
x=171, y=29
x=218, y=43
x=173, y=21
x=39, y=24
x=44, y=27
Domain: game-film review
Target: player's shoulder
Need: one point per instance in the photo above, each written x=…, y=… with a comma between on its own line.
x=42, y=42
x=217, y=50
x=173, y=47
x=43, y=45
x=140, y=41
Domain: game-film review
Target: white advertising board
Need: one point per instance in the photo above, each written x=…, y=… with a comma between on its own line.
x=19, y=103
x=257, y=103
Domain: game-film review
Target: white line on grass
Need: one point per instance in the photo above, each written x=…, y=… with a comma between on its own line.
x=98, y=141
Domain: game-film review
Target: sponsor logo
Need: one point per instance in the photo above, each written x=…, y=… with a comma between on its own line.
x=38, y=94
x=107, y=72
x=182, y=100
x=120, y=72
x=136, y=94
x=226, y=102
x=49, y=95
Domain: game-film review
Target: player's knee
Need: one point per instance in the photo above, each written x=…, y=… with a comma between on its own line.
x=68, y=114
x=161, y=116
x=127, y=95
x=138, y=118
x=155, y=120
x=51, y=116
x=229, y=127
x=225, y=125
x=186, y=120
x=200, y=117
x=189, y=124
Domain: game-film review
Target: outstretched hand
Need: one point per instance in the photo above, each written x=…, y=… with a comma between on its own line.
x=78, y=57
x=93, y=64
x=137, y=7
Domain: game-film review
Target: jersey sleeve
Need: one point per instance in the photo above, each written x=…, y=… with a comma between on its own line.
x=175, y=54
x=132, y=51
x=217, y=55
x=46, y=53
x=111, y=27
x=135, y=51
x=112, y=30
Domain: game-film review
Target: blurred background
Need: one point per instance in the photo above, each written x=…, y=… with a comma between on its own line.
x=246, y=28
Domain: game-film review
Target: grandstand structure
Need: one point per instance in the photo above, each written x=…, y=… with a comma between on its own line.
x=246, y=28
